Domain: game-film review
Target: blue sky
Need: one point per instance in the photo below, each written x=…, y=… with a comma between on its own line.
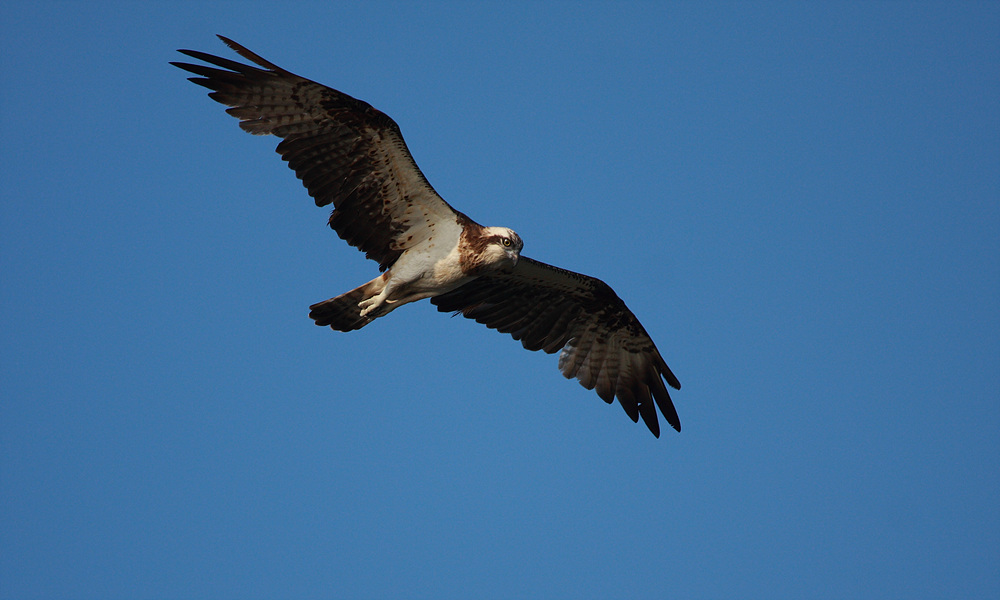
x=800, y=201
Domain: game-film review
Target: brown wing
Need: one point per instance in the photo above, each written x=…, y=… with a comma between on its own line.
x=603, y=344
x=346, y=152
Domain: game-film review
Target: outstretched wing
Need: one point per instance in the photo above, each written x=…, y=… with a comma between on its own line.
x=346, y=152
x=603, y=344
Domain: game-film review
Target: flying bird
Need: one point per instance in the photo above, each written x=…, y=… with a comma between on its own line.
x=353, y=156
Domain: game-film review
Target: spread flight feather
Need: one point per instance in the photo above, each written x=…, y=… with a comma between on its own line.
x=353, y=156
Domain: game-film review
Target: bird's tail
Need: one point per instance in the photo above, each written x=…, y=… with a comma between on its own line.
x=343, y=313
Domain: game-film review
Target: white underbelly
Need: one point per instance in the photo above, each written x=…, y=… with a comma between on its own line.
x=415, y=276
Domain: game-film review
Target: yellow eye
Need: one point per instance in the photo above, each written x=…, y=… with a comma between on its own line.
x=505, y=241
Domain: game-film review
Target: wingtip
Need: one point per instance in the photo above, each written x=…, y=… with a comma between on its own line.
x=251, y=56
x=672, y=418
x=237, y=48
x=672, y=380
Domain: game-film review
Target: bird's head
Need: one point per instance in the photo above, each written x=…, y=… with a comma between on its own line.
x=504, y=247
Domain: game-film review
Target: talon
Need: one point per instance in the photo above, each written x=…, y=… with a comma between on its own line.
x=369, y=305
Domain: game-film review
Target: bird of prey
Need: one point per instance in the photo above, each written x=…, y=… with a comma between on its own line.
x=353, y=156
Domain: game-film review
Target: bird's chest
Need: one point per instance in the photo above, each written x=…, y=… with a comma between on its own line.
x=430, y=272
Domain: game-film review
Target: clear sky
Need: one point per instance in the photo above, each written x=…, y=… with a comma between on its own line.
x=800, y=201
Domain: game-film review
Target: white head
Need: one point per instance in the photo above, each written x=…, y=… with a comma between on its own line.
x=503, y=247
x=484, y=249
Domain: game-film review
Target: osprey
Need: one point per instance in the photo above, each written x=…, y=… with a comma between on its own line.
x=353, y=156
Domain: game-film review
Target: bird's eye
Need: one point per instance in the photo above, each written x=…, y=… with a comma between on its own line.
x=505, y=241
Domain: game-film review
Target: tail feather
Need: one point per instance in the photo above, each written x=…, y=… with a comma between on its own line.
x=342, y=313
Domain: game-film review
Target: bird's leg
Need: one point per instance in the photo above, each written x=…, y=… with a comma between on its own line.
x=370, y=304
x=374, y=303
